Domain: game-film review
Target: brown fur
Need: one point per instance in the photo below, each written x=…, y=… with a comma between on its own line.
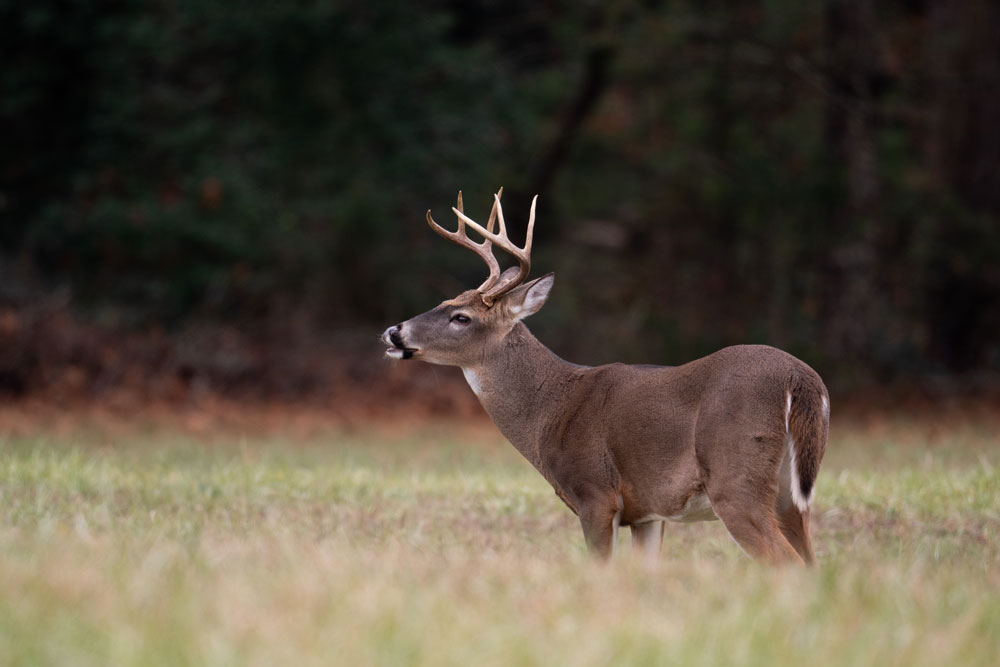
x=625, y=443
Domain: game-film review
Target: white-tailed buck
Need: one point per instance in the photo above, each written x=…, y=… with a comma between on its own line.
x=737, y=435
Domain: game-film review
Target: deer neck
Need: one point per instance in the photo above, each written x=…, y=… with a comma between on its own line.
x=516, y=384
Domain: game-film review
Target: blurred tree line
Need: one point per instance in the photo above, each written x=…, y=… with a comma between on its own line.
x=819, y=176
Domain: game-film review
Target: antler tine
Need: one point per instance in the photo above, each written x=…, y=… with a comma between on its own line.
x=499, y=208
x=493, y=213
x=484, y=249
x=522, y=255
x=531, y=226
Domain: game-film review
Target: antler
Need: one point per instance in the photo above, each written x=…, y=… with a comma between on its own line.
x=523, y=255
x=483, y=249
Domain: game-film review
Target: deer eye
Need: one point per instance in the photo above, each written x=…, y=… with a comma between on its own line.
x=460, y=318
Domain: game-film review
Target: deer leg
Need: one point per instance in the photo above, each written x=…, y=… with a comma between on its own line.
x=755, y=530
x=600, y=529
x=759, y=537
x=794, y=526
x=745, y=498
x=647, y=538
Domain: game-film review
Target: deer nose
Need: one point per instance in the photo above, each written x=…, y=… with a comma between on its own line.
x=394, y=336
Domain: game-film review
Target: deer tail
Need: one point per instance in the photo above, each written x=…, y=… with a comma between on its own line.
x=807, y=424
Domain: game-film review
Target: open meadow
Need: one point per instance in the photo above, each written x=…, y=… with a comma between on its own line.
x=439, y=545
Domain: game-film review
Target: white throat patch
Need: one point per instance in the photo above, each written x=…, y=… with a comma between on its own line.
x=473, y=380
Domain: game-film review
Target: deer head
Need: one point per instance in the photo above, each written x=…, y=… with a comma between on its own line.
x=463, y=330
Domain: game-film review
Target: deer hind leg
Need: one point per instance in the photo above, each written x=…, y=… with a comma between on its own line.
x=647, y=538
x=744, y=496
x=794, y=524
x=795, y=527
x=756, y=530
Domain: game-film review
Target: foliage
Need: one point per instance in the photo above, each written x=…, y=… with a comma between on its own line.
x=708, y=174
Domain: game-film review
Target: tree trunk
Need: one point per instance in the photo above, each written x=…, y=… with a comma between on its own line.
x=851, y=137
x=964, y=147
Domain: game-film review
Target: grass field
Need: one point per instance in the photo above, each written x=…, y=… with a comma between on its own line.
x=442, y=547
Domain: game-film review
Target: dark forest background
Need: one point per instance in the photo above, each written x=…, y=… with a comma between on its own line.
x=231, y=195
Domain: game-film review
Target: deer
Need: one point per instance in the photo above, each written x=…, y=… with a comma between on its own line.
x=737, y=435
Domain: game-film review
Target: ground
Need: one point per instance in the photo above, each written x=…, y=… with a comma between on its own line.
x=435, y=544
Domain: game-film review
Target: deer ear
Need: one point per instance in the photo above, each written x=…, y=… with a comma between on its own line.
x=529, y=298
x=508, y=275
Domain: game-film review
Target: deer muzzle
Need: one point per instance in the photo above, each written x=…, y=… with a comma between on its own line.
x=393, y=337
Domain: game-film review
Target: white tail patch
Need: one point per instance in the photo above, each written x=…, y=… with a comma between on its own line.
x=788, y=409
x=826, y=408
x=473, y=380
x=801, y=502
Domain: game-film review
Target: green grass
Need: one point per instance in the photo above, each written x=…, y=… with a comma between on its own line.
x=437, y=549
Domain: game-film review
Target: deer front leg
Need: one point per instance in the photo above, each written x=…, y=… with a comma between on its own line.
x=647, y=538
x=600, y=523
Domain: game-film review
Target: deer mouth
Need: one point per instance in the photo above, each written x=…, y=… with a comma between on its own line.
x=401, y=352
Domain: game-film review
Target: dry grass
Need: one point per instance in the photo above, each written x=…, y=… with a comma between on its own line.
x=437, y=548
